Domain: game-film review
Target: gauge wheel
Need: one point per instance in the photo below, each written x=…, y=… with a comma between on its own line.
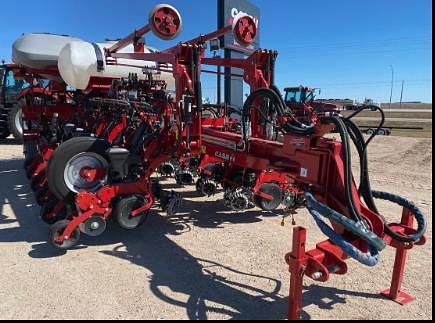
x=64, y=174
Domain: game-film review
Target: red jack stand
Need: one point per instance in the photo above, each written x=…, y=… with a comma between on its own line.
x=395, y=293
x=328, y=259
x=297, y=262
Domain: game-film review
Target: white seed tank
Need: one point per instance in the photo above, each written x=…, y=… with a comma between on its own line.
x=78, y=61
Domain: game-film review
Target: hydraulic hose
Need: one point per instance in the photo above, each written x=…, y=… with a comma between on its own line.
x=369, y=195
x=365, y=185
x=410, y=206
x=276, y=100
x=370, y=259
x=381, y=124
x=290, y=113
x=356, y=228
x=347, y=159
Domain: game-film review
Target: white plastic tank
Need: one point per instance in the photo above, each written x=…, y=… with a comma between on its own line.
x=76, y=60
x=78, y=63
x=39, y=51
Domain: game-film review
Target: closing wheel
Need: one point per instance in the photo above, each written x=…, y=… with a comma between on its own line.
x=47, y=212
x=165, y=22
x=56, y=232
x=185, y=177
x=167, y=169
x=78, y=164
x=124, y=209
x=240, y=203
x=94, y=227
x=274, y=191
x=206, y=187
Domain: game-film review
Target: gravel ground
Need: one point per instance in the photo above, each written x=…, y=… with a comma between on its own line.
x=207, y=264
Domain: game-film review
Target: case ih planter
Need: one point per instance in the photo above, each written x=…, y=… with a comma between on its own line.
x=91, y=153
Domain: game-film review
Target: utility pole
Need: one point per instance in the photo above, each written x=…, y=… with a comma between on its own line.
x=392, y=86
x=401, y=94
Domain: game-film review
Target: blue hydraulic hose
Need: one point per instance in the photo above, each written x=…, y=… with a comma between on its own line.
x=370, y=259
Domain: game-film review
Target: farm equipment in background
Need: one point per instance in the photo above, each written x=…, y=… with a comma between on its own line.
x=366, y=104
x=302, y=99
x=101, y=159
x=11, y=84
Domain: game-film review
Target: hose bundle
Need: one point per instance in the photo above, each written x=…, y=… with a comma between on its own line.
x=358, y=227
x=369, y=195
x=273, y=94
x=370, y=259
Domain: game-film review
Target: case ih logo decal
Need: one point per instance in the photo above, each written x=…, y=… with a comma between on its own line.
x=226, y=157
x=235, y=12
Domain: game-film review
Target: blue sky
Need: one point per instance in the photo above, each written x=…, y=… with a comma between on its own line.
x=345, y=47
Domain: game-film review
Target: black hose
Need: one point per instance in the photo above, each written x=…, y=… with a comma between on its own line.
x=408, y=205
x=381, y=125
x=365, y=185
x=347, y=160
x=369, y=195
x=290, y=112
x=275, y=99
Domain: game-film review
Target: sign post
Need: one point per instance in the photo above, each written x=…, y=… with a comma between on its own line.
x=228, y=10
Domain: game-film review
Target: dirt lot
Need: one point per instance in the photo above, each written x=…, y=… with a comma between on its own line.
x=207, y=264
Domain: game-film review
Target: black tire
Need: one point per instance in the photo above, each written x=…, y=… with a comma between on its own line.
x=123, y=211
x=57, y=229
x=61, y=157
x=27, y=164
x=36, y=181
x=4, y=131
x=15, y=122
x=273, y=190
x=47, y=209
x=30, y=151
x=31, y=171
x=41, y=195
x=4, y=134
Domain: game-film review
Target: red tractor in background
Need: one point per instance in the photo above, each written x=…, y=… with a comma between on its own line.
x=300, y=98
x=11, y=85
